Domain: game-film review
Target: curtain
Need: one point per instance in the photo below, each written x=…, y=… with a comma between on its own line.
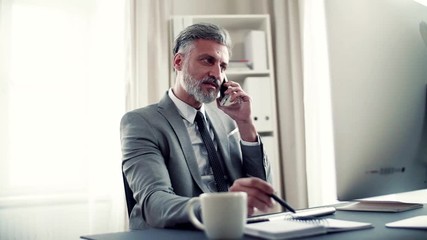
x=321, y=186
x=304, y=102
x=148, y=51
x=290, y=94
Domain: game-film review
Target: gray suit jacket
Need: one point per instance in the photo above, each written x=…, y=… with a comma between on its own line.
x=160, y=165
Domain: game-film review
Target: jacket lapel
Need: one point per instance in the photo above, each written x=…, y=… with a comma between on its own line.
x=168, y=109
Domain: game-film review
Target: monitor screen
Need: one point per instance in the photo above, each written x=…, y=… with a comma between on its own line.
x=378, y=69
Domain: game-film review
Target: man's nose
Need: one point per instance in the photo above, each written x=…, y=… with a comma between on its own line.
x=216, y=71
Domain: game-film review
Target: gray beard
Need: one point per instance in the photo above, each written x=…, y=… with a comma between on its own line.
x=192, y=86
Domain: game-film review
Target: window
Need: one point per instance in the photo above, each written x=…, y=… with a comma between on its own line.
x=61, y=96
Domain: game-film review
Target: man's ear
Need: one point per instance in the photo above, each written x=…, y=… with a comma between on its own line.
x=178, y=60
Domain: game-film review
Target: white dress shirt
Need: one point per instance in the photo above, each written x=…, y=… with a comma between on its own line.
x=188, y=114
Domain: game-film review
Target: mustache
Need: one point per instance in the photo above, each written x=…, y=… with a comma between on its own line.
x=211, y=80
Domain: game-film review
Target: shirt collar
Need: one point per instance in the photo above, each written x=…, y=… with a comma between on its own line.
x=186, y=111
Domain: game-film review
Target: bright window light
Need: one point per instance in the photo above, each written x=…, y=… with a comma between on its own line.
x=423, y=2
x=64, y=95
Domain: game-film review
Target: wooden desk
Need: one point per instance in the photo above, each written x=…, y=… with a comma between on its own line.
x=377, y=219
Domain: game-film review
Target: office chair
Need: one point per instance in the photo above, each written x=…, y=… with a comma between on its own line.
x=130, y=201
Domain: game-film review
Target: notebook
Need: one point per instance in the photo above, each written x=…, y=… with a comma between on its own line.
x=293, y=228
x=283, y=229
x=303, y=213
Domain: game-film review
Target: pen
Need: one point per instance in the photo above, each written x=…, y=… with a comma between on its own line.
x=282, y=202
x=257, y=220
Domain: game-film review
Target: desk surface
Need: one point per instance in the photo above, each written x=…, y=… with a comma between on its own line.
x=377, y=219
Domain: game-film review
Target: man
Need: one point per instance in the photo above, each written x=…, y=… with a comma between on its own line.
x=165, y=160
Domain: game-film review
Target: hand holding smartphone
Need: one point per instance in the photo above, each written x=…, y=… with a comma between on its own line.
x=224, y=99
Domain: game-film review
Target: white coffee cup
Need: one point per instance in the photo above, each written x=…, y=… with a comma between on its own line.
x=223, y=214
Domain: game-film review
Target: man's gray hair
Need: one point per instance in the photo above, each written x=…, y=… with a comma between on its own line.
x=206, y=31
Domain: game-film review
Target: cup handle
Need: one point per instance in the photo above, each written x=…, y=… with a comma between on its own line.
x=192, y=215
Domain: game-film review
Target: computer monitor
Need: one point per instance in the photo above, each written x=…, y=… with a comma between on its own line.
x=378, y=69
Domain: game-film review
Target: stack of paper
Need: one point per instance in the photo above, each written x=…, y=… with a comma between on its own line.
x=380, y=206
x=418, y=222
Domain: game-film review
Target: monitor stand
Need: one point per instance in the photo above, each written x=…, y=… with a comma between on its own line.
x=379, y=206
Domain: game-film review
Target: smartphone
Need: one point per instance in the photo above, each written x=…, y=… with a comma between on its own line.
x=224, y=98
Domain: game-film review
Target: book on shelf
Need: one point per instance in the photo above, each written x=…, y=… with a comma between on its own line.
x=287, y=228
x=256, y=50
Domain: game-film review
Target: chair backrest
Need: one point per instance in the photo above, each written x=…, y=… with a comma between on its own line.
x=130, y=201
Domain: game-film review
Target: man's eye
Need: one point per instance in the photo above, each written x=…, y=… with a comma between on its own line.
x=207, y=61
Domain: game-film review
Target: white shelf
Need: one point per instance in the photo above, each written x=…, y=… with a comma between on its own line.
x=239, y=76
x=232, y=22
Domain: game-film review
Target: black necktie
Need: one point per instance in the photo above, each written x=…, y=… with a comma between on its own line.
x=212, y=154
